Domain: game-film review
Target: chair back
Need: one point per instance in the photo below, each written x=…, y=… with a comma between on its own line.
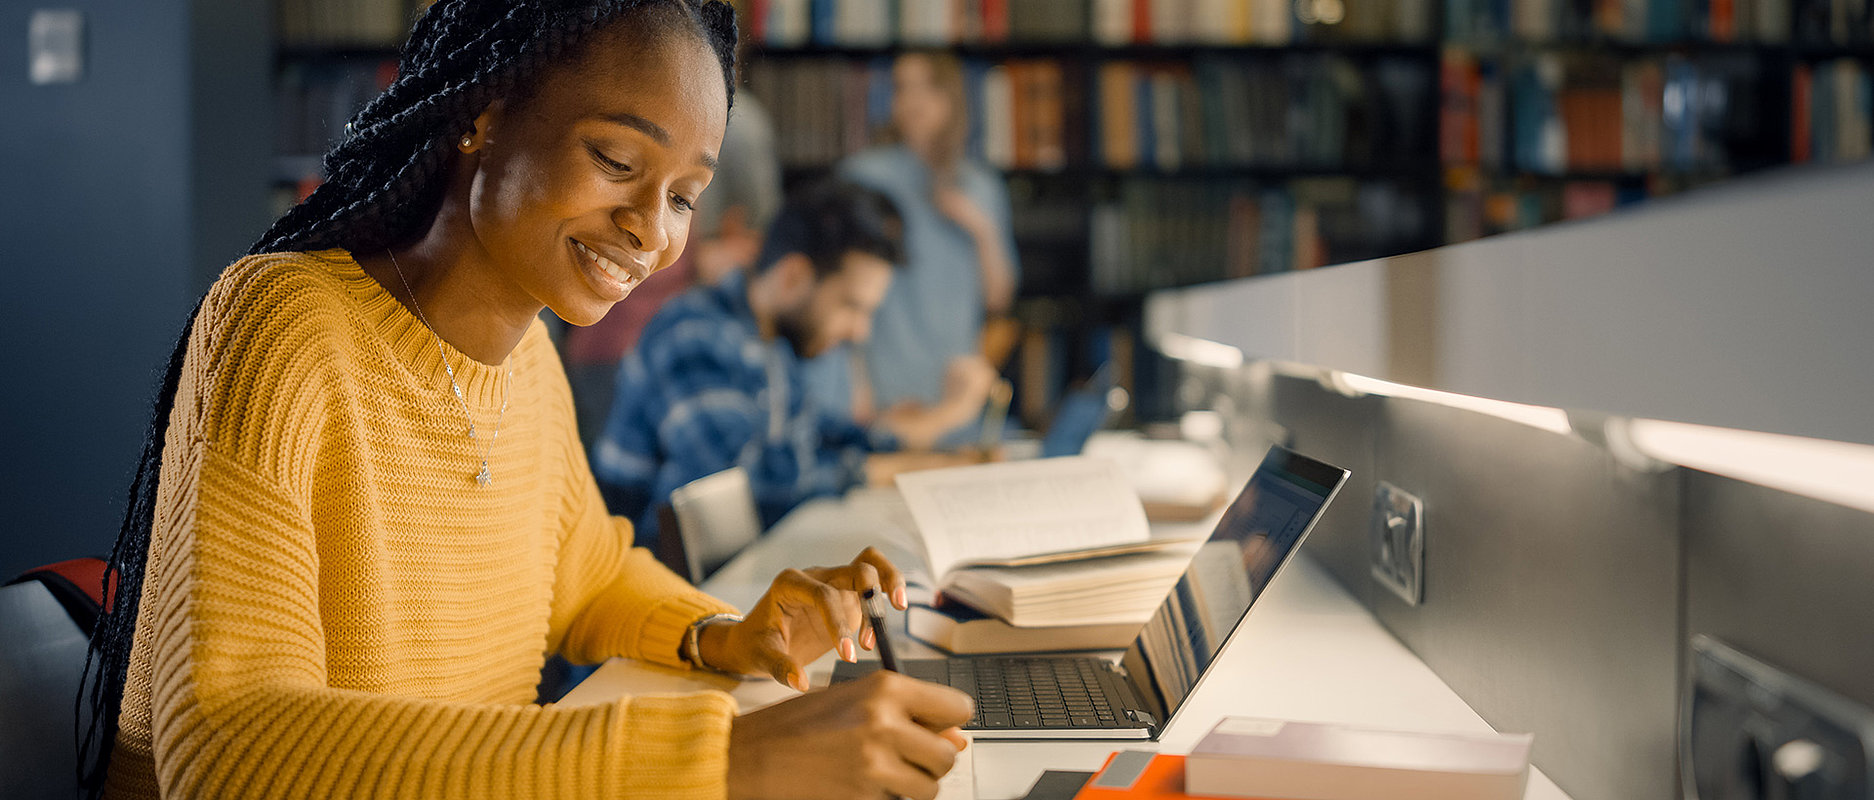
x=42, y=656
x=716, y=518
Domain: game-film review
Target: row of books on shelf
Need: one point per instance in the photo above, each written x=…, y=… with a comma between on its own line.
x=1808, y=22
x=1831, y=108
x=345, y=23
x=1159, y=234
x=786, y=24
x=1476, y=207
x=1555, y=113
x=313, y=101
x=1299, y=110
x=1314, y=110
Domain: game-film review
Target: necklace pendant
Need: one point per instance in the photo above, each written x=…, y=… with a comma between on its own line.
x=482, y=478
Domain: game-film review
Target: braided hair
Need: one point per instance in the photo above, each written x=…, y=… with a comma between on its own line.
x=385, y=183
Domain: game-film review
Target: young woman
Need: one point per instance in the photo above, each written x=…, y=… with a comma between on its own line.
x=363, y=515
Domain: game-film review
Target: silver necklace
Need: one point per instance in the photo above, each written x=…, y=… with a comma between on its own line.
x=482, y=478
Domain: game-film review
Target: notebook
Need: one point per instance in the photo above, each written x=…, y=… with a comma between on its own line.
x=1082, y=697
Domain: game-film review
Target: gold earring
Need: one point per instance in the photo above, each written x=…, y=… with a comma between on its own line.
x=468, y=142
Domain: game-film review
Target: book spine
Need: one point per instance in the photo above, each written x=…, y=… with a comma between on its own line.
x=995, y=20
x=1112, y=22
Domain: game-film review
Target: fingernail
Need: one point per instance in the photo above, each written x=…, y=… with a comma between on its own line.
x=869, y=639
x=846, y=650
x=897, y=598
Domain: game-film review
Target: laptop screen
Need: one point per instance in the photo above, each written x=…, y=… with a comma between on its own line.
x=1256, y=536
x=1082, y=414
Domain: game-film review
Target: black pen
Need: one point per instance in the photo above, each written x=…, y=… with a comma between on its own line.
x=876, y=616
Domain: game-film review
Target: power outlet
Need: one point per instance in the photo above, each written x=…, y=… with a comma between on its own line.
x=1396, y=542
x=1749, y=731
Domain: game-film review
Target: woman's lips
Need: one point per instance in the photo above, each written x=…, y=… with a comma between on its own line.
x=627, y=277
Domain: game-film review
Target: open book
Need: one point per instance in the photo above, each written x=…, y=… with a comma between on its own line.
x=1053, y=541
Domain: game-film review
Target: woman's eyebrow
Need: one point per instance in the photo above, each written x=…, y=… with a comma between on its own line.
x=653, y=130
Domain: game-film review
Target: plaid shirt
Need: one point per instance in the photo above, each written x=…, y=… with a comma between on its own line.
x=703, y=392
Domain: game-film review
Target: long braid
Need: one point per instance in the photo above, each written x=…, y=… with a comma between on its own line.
x=385, y=184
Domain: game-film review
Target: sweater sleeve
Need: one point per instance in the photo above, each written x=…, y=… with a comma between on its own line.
x=241, y=706
x=612, y=599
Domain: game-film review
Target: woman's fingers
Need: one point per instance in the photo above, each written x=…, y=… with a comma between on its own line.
x=837, y=610
x=869, y=570
x=889, y=578
x=827, y=601
x=904, y=779
x=930, y=752
x=937, y=707
x=774, y=658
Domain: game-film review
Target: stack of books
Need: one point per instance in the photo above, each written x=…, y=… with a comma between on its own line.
x=1037, y=556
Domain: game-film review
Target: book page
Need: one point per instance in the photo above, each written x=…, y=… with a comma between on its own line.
x=1021, y=508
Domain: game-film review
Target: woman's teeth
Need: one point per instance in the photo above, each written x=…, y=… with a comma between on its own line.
x=608, y=266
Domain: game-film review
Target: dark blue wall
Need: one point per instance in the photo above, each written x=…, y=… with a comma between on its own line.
x=112, y=192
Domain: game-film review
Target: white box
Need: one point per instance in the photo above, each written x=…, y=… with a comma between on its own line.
x=1281, y=760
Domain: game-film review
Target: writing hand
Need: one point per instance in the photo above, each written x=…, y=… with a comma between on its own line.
x=804, y=614
x=884, y=735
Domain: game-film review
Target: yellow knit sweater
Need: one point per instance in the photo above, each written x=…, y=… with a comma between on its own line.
x=333, y=607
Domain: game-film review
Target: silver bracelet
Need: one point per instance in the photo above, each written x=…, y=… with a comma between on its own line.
x=692, y=639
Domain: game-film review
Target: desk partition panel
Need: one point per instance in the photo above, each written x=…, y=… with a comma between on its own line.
x=1551, y=573
x=1563, y=584
x=1786, y=579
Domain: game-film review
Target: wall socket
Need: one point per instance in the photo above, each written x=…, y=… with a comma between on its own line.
x=56, y=43
x=1749, y=731
x=1396, y=542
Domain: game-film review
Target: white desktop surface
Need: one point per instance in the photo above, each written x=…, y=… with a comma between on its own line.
x=1307, y=651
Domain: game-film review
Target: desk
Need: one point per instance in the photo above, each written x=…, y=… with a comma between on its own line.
x=1307, y=651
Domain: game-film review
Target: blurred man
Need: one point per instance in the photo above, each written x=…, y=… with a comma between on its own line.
x=715, y=382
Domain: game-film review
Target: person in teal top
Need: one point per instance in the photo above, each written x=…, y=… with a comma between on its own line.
x=960, y=266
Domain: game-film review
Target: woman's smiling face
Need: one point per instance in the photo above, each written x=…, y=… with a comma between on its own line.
x=583, y=187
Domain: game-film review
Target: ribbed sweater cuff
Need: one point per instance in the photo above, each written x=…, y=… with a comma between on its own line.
x=663, y=630
x=679, y=745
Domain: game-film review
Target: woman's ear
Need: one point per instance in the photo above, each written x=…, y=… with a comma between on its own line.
x=794, y=277
x=481, y=134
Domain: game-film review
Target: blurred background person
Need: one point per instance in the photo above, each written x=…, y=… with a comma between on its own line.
x=715, y=381
x=960, y=266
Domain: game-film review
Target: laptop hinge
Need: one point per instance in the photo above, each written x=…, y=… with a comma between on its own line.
x=1143, y=718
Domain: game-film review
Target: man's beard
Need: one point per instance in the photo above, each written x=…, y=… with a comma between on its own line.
x=795, y=327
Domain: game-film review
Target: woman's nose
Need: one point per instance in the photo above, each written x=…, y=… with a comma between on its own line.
x=644, y=223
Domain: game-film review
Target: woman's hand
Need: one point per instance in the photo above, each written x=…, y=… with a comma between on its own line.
x=884, y=735
x=804, y=614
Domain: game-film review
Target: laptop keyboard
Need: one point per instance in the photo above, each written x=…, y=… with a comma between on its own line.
x=1032, y=692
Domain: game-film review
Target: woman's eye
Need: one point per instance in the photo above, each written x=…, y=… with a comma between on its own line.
x=682, y=203
x=608, y=162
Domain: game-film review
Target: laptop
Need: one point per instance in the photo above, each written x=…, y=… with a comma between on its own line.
x=1086, y=697
x=1083, y=413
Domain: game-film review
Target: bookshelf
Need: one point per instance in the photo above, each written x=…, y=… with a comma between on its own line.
x=1556, y=110
x=331, y=57
x=1160, y=143
x=1146, y=145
